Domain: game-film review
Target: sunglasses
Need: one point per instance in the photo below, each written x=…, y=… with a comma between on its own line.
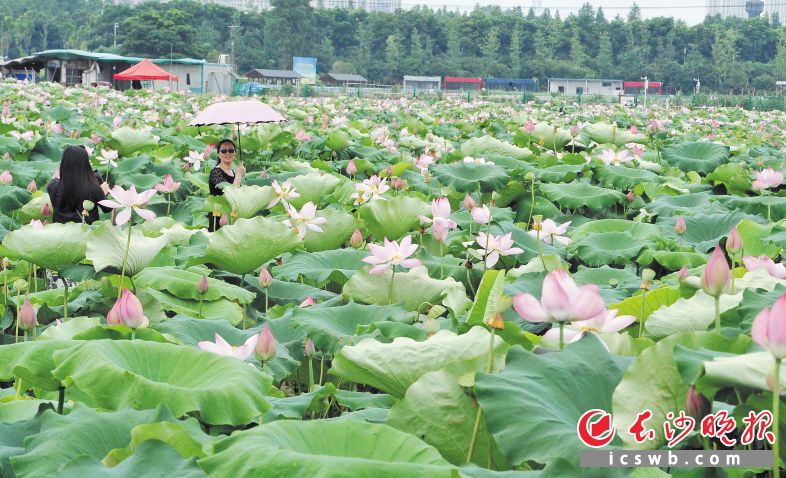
x=226, y=151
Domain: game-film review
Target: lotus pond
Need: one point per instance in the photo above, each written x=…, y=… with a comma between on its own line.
x=399, y=287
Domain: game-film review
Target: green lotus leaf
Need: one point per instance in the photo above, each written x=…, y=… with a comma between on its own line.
x=699, y=156
x=411, y=289
x=560, y=173
x=186, y=437
x=654, y=300
x=51, y=247
x=673, y=261
x=106, y=247
x=704, y=231
x=335, y=265
x=751, y=371
x=248, y=244
x=33, y=362
x=603, y=133
x=640, y=230
x=653, y=382
x=113, y=374
x=130, y=141
x=490, y=289
x=393, y=367
x=548, y=136
x=337, y=140
x=210, y=309
x=335, y=232
x=734, y=177
x=479, y=147
x=69, y=328
x=578, y=194
x=757, y=205
x=182, y=283
x=32, y=210
x=471, y=177
x=246, y=201
x=152, y=458
x=758, y=238
x=393, y=218
x=13, y=198
x=17, y=409
x=622, y=177
x=580, y=378
x=329, y=449
x=314, y=187
x=608, y=248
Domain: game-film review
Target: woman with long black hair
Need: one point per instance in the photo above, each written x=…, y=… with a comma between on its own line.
x=74, y=183
x=223, y=173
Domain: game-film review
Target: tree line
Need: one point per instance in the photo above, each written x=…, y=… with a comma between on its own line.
x=726, y=54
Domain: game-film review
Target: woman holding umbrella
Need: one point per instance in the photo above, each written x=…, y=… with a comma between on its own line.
x=223, y=173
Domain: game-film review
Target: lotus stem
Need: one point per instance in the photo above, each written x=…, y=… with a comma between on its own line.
x=266, y=300
x=441, y=260
x=641, y=320
x=769, y=207
x=310, y=375
x=390, y=287
x=717, y=313
x=125, y=259
x=201, y=299
x=18, y=387
x=321, y=368
x=732, y=275
x=532, y=204
x=16, y=332
x=776, y=406
x=60, y=399
x=486, y=252
x=476, y=428
x=561, y=335
x=168, y=203
x=65, y=299
x=133, y=334
x=540, y=253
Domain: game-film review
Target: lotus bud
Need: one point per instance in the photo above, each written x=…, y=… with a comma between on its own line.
x=224, y=220
x=265, y=279
x=6, y=263
x=682, y=274
x=6, y=157
x=352, y=169
x=113, y=317
x=695, y=404
x=6, y=109
x=769, y=328
x=45, y=210
x=481, y=214
x=95, y=138
x=32, y=187
x=27, y=319
x=431, y=326
x=202, y=286
x=734, y=243
x=129, y=310
x=647, y=276
x=266, y=345
x=469, y=203
x=20, y=284
x=310, y=351
x=186, y=167
x=530, y=176
x=356, y=240
x=389, y=171
x=716, y=274
x=630, y=196
x=680, y=226
x=208, y=151
x=308, y=302
x=6, y=177
x=117, y=122
x=398, y=184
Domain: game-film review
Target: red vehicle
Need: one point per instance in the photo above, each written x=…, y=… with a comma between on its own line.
x=463, y=83
x=637, y=87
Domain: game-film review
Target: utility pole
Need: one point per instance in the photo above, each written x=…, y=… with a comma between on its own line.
x=115, y=35
x=646, y=87
x=232, y=31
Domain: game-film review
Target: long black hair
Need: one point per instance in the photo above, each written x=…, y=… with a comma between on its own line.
x=218, y=146
x=77, y=179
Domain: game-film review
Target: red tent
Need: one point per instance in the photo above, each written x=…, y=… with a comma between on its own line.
x=144, y=70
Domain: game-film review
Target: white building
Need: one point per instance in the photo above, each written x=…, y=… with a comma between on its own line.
x=422, y=83
x=246, y=5
x=368, y=5
x=772, y=7
x=736, y=8
x=585, y=86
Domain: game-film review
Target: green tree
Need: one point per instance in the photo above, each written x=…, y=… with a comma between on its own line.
x=393, y=57
x=779, y=62
x=158, y=31
x=724, y=55
x=491, y=53
x=605, y=60
x=290, y=31
x=417, y=55
x=515, y=53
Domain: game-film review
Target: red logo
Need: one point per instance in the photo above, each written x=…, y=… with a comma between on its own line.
x=595, y=429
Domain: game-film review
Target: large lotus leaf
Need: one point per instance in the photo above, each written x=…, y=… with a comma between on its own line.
x=337, y=140
x=653, y=382
x=653, y=300
x=151, y=459
x=549, y=136
x=248, y=244
x=183, y=284
x=490, y=290
x=578, y=194
x=106, y=247
x=411, y=289
x=83, y=432
x=478, y=147
x=211, y=309
x=393, y=218
x=699, y=156
x=757, y=238
x=328, y=449
x=393, y=367
x=734, y=177
x=756, y=205
x=683, y=205
x=753, y=371
x=608, y=248
x=436, y=409
x=314, y=187
x=33, y=362
x=622, y=177
x=471, y=177
x=673, y=261
x=335, y=232
x=68, y=329
x=248, y=200
x=185, y=436
x=704, y=231
x=337, y=265
x=12, y=438
x=603, y=133
x=640, y=230
x=51, y=247
x=698, y=312
x=113, y=374
x=560, y=173
x=32, y=210
x=13, y=198
x=580, y=378
x=130, y=141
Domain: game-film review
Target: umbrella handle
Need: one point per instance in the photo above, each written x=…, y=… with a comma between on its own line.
x=239, y=149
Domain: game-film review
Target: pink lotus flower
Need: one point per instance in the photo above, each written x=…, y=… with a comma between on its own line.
x=716, y=274
x=392, y=254
x=46, y=210
x=634, y=129
x=108, y=157
x=308, y=302
x=117, y=122
x=441, y=223
x=763, y=262
x=680, y=226
x=26, y=136
x=602, y=323
x=208, y=151
x=265, y=279
x=501, y=245
x=202, y=285
x=27, y=316
x=129, y=200
x=769, y=328
x=57, y=128
x=284, y=193
x=638, y=150
x=302, y=135
x=168, y=186
x=32, y=187
x=481, y=214
x=682, y=274
x=128, y=311
x=630, y=196
x=304, y=220
x=529, y=127
x=37, y=224
x=356, y=240
x=309, y=350
x=266, y=345
x=695, y=404
x=609, y=156
x=352, y=168
x=469, y=203
x=221, y=347
x=769, y=178
x=561, y=301
x=95, y=138
x=6, y=177
x=734, y=242
x=6, y=109
x=551, y=232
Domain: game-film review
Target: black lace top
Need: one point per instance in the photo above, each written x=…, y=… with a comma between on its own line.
x=218, y=176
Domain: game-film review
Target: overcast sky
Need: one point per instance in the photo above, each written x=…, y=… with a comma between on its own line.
x=692, y=11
